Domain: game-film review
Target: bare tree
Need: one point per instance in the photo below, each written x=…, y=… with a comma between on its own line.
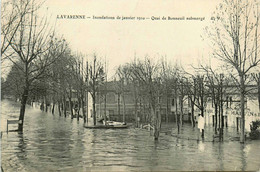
x=201, y=96
x=36, y=48
x=217, y=84
x=123, y=75
x=126, y=76
x=105, y=96
x=191, y=92
x=79, y=85
x=167, y=75
x=146, y=72
x=12, y=15
x=235, y=36
x=182, y=98
x=96, y=78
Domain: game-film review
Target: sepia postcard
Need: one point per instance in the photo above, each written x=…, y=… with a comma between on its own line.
x=130, y=85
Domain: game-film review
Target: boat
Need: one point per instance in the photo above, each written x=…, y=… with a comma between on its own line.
x=107, y=126
x=114, y=123
x=110, y=125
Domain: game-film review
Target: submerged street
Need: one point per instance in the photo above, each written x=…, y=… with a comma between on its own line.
x=50, y=142
x=130, y=85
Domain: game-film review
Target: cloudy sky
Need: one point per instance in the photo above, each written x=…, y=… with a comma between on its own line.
x=119, y=41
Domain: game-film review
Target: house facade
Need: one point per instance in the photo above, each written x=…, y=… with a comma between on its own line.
x=118, y=105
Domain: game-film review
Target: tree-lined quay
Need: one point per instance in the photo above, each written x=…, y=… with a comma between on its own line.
x=45, y=70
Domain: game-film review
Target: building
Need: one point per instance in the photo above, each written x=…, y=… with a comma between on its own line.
x=119, y=102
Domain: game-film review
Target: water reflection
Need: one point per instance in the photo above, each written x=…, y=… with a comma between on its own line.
x=52, y=143
x=201, y=146
x=220, y=155
x=22, y=144
x=243, y=151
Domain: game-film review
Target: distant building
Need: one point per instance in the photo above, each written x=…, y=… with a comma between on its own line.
x=115, y=105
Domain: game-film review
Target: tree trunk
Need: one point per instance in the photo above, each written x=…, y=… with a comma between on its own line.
x=176, y=110
x=242, y=102
x=78, y=110
x=219, y=121
x=192, y=114
x=61, y=103
x=59, y=109
x=87, y=106
x=22, y=109
x=99, y=107
x=64, y=107
x=123, y=107
x=222, y=117
x=136, y=115
x=220, y=124
x=140, y=112
x=156, y=123
x=70, y=104
x=181, y=114
x=219, y=117
x=46, y=106
x=167, y=109
x=118, y=105
x=83, y=107
x=71, y=108
x=78, y=104
x=144, y=118
x=216, y=117
x=202, y=98
x=105, y=109
x=52, y=111
x=42, y=106
x=94, y=108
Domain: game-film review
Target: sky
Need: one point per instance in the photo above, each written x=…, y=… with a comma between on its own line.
x=119, y=41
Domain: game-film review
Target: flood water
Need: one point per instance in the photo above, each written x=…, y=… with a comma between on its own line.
x=53, y=143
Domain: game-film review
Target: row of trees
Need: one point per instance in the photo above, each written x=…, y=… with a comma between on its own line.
x=64, y=84
x=43, y=66
x=151, y=83
x=30, y=44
